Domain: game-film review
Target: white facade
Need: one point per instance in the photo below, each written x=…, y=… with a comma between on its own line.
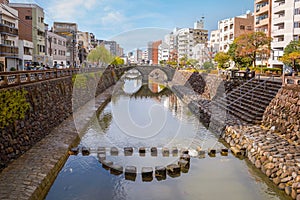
x=185, y=43
x=285, y=28
x=145, y=55
x=163, y=52
x=214, y=39
x=201, y=53
x=9, y=38
x=233, y=27
x=25, y=53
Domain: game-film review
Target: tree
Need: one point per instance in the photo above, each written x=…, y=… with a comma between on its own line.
x=253, y=45
x=240, y=61
x=117, y=61
x=291, y=55
x=192, y=62
x=100, y=55
x=208, y=65
x=221, y=58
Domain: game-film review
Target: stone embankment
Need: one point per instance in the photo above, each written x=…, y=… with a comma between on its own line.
x=274, y=147
x=51, y=102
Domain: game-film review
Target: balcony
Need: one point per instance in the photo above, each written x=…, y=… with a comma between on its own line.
x=8, y=30
x=260, y=1
x=8, y=50
x=262, y=22
x=262, y=10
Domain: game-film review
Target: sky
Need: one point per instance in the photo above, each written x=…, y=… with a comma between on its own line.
x=139, y=20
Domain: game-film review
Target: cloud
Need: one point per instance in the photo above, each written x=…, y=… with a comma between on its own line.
x=68, y=10
x=113, y=17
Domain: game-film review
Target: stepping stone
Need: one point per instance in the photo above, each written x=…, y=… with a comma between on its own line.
x=184, y=165
x=186, y=157
x=173, y=170
x=114, y=151
x=142, y=151
x=74, y=151
x=184, y=151
x=236, y=151
x=106, y=164
x=130, y=173
x=128, y=151
x=101, y=150
x=224, y=152
x=153, y=151
x=116, y=169
x=101, y=157
x=160, y=173
x=147, y=174
x=85, y=151
x=174, y=151
x=165, y=152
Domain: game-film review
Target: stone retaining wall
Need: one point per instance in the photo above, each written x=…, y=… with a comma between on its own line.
x=274, y=147
x=50, y=104
x=283, y=114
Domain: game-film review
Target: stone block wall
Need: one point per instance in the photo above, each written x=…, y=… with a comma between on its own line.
x=51, y=102
x=283, y=114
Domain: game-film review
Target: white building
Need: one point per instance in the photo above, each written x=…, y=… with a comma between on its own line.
x=163, y=52
x=9, y=38
x=214, y=39
x=285, y=27
x=25, y=53
x=145, y=56
x=231, y=28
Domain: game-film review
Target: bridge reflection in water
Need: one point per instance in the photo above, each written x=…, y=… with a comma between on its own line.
x=144, y=116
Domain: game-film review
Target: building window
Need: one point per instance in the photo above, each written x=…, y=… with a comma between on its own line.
x=297, y=11
x=242, y=27
x=296, y=24
x=249, y=28
x=28, y=17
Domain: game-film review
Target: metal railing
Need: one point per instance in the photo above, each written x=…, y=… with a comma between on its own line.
x=259, y=84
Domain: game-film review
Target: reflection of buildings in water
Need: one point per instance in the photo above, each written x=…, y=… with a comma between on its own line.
x=156, y=87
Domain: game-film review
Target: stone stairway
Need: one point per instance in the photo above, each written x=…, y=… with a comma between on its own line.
x=249, y=101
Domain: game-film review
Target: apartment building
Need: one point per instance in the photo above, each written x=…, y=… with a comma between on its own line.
x=214, y=40
x=56, y=49
x=285, y=28
x=231, y=28
x=263, y=16
x=69, y=31
x=187, y=38
x=154, y=51
x=163, y=52
x=25, y=54
x=32, y=28
x=9, y=38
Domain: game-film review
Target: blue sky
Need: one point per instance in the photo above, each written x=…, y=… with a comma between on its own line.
x=109, y=19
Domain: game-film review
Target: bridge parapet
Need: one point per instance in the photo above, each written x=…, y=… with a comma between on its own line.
x=8, y=79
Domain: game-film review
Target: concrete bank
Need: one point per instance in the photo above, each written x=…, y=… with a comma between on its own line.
x=32, y=174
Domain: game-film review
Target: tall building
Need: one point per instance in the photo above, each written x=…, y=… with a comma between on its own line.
x=231, y=28
x=187, y=38
x=56, y=49
x=9, y=38
x=32, y=28
x=69, y=31
x=285, y=28
x=263, y=16
x=25, y=54
x=163, y=52
x=154, y=51
x=214, y=39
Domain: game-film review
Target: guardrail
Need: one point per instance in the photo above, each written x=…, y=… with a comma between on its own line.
x=8, y=79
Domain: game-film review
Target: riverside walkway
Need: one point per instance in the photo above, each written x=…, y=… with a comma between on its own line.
x=32, y=174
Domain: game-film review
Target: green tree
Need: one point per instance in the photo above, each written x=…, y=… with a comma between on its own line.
x=100, y=55
x=253, y=45
x=291, y=55
x=117, y=61
x=208, y=65
x=221, y=58
x=240, y=61
x=192, y=62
